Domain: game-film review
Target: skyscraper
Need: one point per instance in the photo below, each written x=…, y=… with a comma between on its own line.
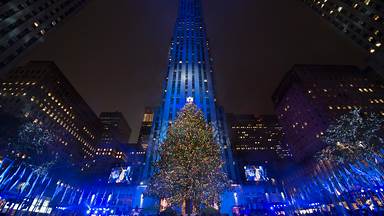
x=115, y=134
x=260, y=137
x=360, y=20
x=189, y=75
x=38, y=92
x=257, y=141
x=116, y=129
x=23, y=23
x=145, y=129
x=311, y=97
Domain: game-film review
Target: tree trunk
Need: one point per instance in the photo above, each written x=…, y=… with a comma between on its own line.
x=196, y=207
x=187, y=207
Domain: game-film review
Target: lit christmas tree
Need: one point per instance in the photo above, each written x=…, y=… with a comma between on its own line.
x=33, y=144
x=33, y=139
x=189, y=171
x=353, y=137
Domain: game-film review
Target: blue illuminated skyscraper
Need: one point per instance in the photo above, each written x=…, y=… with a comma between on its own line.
x=189, y=75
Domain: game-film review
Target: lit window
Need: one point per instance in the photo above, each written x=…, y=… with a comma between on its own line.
x=339, y=9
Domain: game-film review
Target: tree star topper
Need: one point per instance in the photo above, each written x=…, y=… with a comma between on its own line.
x=189, y=100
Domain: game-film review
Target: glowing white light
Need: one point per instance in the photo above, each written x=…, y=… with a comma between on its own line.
x=141, y=200
x=282, y=195
x=93, y=198
x=189, y=100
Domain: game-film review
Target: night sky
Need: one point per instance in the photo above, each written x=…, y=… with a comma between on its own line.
x=115, y=52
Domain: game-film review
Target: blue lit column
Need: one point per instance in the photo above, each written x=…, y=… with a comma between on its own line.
x=189, y=74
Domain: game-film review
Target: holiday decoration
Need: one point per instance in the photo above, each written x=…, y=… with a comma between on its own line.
x=32, y=138
x=34, y=145
x=189, y=171
x=353, y=137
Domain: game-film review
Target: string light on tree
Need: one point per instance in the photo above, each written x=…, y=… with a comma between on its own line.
x=189, y=172
x=353, y=137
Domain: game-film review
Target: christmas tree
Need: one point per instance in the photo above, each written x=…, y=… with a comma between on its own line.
x=190, y=169
x=33, y=144
x=353, y=137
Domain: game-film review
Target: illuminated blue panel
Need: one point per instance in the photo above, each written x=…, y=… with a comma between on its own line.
x=189, y=74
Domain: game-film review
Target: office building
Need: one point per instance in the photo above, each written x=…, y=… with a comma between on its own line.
x=24, y=23
x=257, y=140
x=311, y=97
x=146, y=127
x=361, y=21
x=38, y=92
x=189, y=75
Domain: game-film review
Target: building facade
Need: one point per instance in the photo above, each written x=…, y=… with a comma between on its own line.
x=361, y=21
x=145, y=129
x=39, y=93
x=24, y=23
x=257, y=141
x=116, y=128
x=189, y=75
x=311, y=97
x=115, y=135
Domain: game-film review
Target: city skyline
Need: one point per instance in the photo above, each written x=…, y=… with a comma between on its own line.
x=127, y=90
x=182, y=107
